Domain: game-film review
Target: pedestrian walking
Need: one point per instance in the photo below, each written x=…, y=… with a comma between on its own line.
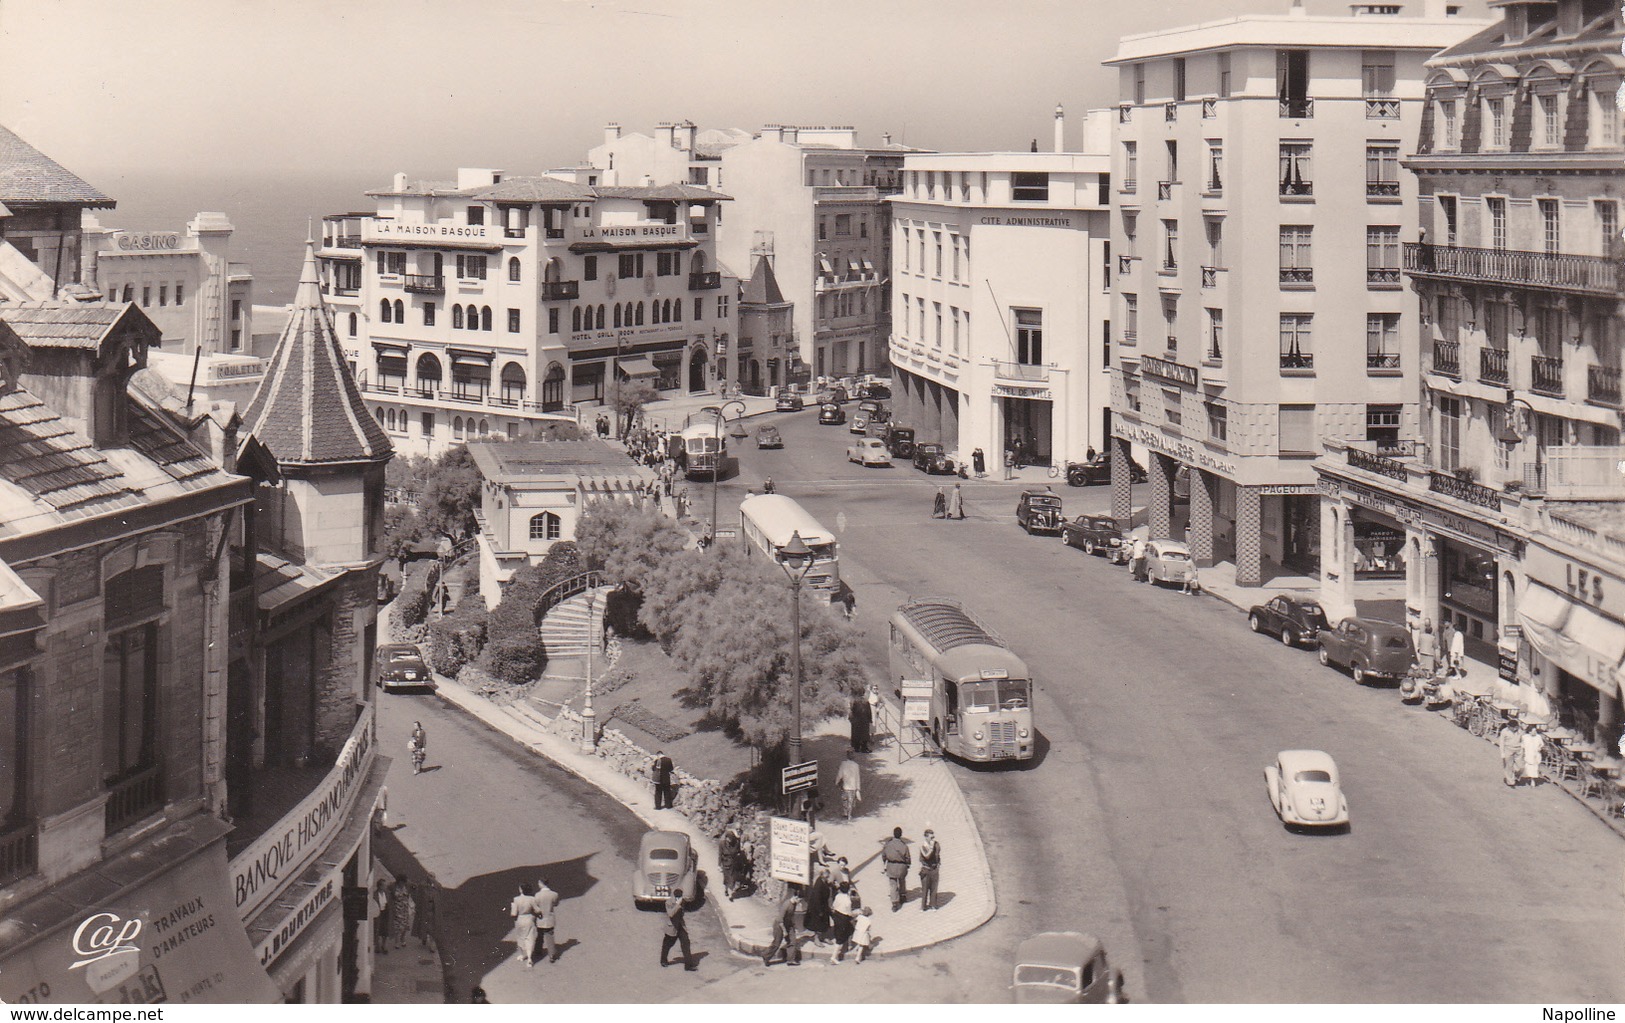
x=956, y=503
x=1427, y=648
x=895, y=855
x=979, y=463
x=427, y=912
x=861, y=716
x=768, y=487
x=1458, y=653
x=841, y=917
x=939, y=505
x=1511, y=745
x=849, y=602
x=523, y=911
x=1531, y=744
x=676, y=931
x=547, y=904
x=863, y=933
x=1136, y=558
x=380, y=916
x=782, y=923
x=850, y=780
x=401, y=913
x=418, y=744
x=930, y=870
x=660, y=770
x=1009, y=462
x=729, y=855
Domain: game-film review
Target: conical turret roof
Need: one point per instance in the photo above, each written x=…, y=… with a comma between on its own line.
x=308, y=410
x=763, y=286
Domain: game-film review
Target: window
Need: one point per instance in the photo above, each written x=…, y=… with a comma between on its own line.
x=937, y=238
x=902, y=245
x=386, y=311
x=699, y=309
x=391, y=263
x=722, y=307
x=1297, y=343
x=1447, y=316
x=470, y=267
x=1447, y=123
x=1297, y=430
x=843, y=225
x=1131, y=234
x=427, y=421
x=1297, y=265
x=236, y=309
x=1382, y=426
x=1447, y=208
x=1605, y=119
x=1215, y=167
x=1215, y=241
x=1495, y=116
x=630, y=265
x=546, y=526
x=1548, y=117
x=1292, y=83
x=163, y=294
x=513, y=321
x=1224, y=76
x=1170, y=248
x=920, y=237
x=134, y=603
x=589, y=268
x=179, y=291
x=146, y=295
x=1382, y=257
x=400, y=311
x=1382, y=170
x=352, y=323
x=1497, y=208
x=1170, y=317
x=1215, y=335
x=129, y=289
x=1131, y=318
x=1029, y=336
x=456, y=317
x=954, y=239
x=1608, y=227
x=1139, y=83
x=1218, y=421
x=936, y=308
x=1550, y=226
x=955, y=311
x=476, y=216
x=513, y=269
x=1297, y=169
x=1029, y=186
x=428, y=314
x=823, y=229
x=1496, y=318
x=1173, y=412
x=1172, y=157
x=1449, y=432
x=1179, y=79
x=1377, y=84
x=1131, y=166
x=1382, y=341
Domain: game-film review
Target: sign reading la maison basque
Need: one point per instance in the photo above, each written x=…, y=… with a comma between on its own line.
x=395, y=230
x=288, y=847
x=634, y=232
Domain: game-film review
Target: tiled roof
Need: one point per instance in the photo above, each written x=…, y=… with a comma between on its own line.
x=763, y=286
x=83, y=325
x=29, y=176
x=532, y=189
x=307, y=409
x=277, y=581
x=672, y=193
x=525, y=460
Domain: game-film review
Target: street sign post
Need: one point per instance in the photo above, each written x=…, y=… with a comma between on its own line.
x=799, y=776
x=789, y=849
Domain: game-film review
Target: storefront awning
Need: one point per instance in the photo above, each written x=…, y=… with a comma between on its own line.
x=637, y=366
x=391, y=347
x=470, y=357
x=1545, y=607
x=1582, y=642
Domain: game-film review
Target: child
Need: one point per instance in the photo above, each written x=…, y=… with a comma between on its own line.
x=862, y=933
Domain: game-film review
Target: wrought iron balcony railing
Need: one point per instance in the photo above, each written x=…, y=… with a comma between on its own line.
x=560, y=291
x=1210, y=276
x=1381, y=360
x=1381, y=108
x=1210, y=107
x=425, y=284
x=1382, y=275
x=1302, y=107
x=138, y=796
x=1297, y=360
x=1464, y=490
x=1602, y=385
x=1382, y=465
x=1591, y=275
x=1170, y=111
x=1297, y=275
x=1165, y=190
x=1492, y=366
x=1546, y=375
x=1447, y=358
x=705, y=280
x=1382, y=190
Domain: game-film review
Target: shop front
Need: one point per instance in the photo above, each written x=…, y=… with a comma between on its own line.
x=1573, y=618
x=1467, y=594
x=1027, y=418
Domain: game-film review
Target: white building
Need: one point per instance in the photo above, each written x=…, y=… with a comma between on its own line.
x=1000, y=298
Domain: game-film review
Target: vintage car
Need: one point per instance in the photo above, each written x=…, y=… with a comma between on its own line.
x=1064, y=967
x=1369, y=648
x=768, y=437
x=933, y=461
x=400, y=666
x=788, y=401
x=1098, y=471
x=830, y=414
x=860, y=422
x=868, y=451
x=879, y=420
x=1039, y=511
x=874, y=390
x=1166, y=561
x=835, y=395
x=899, y=440
x=666, y=863
x=1304, y=789
x=1095, y=534
x=869, y=405
x=1294, y=619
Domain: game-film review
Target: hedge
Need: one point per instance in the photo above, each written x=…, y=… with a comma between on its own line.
x=458, y=638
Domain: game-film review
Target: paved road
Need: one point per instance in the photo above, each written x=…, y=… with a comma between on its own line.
x=489, y=815
x=1146, y=820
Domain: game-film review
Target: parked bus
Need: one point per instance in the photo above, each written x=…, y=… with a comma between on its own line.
x=980, y=705
x=767, y=522
x=704, y=452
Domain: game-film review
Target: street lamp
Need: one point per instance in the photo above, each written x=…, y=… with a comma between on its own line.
x=738, y=433
x=797, y=561
x=589, y=717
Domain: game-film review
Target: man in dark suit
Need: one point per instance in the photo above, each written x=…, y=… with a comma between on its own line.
x=676, y=931
x=661, y=770
x=861, y=717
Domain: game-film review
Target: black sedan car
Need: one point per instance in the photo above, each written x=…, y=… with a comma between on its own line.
x=401, y=666
x=830, y=414
x=1039, y=511
x=933, y=461
x=899, y=440
x=1294, y=619
x=788, y=401
x=1094, y=534
x=874, y=391
x=1098, y=471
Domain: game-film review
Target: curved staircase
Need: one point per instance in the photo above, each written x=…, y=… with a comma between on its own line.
x=568, y=630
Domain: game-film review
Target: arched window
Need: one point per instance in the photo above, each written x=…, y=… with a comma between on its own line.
x=352, y=324
x=640, y=314
x=553, y=272
x=600, y=316
x=400, y=312
x=654, y=312
x=575, y=318
x=626, y=314
x=485, y=427
x=617, y=315
x=513, y=382
x=401, y=421
x=386, y=312
x=457, y=427
x=457, y=316
x=677, y=310
x=513, y=269
x=553, y=388
x=545, y=526
x=428, y=373
x=485, y=318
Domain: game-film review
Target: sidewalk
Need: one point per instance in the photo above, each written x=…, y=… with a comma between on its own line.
x=916, y=793
x=669, y=413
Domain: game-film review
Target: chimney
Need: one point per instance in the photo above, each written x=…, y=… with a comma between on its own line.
x=665, y=132
x=791, y=132
x=400, y=181
x=885, y=139
x=690, y=130
x=612, y=131
x=1060, y=129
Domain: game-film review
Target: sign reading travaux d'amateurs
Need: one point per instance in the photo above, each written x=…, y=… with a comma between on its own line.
x=279, y=854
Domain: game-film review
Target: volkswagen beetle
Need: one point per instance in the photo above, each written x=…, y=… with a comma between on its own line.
x=666, y=863
x=1305, y=791
x=830, y=414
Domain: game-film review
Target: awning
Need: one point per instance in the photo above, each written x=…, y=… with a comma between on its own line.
x=1545, y=607
x=637, y=366
x=473, y=356
x=180, y=939
x=391, y=347
x=1583, y=643
x=823, y=263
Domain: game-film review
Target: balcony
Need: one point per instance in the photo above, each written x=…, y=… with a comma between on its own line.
x=19, y=852
x=136, y=797
x=346, y=241
x=1381, y=108
x=1170, y=111
x=1463, y=490
x=516, y=233
x=1447, y=359
x=1382, y=465
x=1300, y=107
x=560, y=291
x=1173, y=344
x=705, y=280
x=1165, y=190
x=1546, y=375
x=1168, y=267
x=1131, y=185
x=1297, y=360
x=1577, y=473
x=1297, y=188
x=1125, y=264
x=1602, y=385
x=1587, y=275
x=1297, y=275
x=1492, y=366
x=1210, y=108
x=1024, y=372
x=553, y=234
x=1382, y=361
x=1210, y=276
x=698, y=227
x=1125, y=114
x=1382, y=190
x=1382, y=276
x=424, y=284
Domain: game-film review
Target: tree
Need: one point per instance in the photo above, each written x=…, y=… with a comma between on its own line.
x=513, y=648
x=628, y=400
x=626, y=541
x=449, y=494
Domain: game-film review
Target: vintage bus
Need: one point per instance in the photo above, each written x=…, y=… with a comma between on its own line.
x=767, y=522
x=704, y=451
x=980, y=693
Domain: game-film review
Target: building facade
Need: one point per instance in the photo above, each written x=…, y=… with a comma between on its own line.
x=1001, y=299
x=813, y=202
x=492, y=304
x=1509, y=508
x=41, y=238
x=1260, y=305
x=767, y=332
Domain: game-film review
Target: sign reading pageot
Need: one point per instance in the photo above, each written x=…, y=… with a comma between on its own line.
x=790, y=850
x=288, y=847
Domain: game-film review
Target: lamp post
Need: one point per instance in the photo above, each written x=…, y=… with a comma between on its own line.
x=716, y=469
x=797, y=561
x=589, y=717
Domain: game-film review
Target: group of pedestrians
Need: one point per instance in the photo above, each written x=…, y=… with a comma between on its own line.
x=1447, y=648
x=829, y=911
x=1520, y=743
x=947, y=505
x=535, y=911
x=401, y=910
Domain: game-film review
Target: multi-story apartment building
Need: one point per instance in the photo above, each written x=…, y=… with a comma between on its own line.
x=1001, y=298
x=811, y=200
x=1507, y=516
x=1260, y=307
x=493, y=303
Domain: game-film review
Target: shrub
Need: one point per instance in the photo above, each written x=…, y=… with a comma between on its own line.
x=421, y=577
x=458, y=638
x=621, y=613
x=513, y=659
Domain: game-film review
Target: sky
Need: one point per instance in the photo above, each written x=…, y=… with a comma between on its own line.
x=368, y=87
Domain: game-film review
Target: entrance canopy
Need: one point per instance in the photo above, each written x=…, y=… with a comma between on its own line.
x=1582, y=642
x=637, y=366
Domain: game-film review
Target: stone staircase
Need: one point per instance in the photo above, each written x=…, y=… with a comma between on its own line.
x=567, y=632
